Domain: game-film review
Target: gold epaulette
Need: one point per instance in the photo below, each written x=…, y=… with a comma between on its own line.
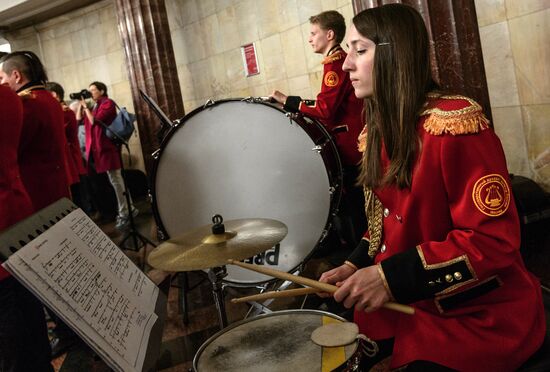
x=28, y=93
x=333, y=57
x=442, y=120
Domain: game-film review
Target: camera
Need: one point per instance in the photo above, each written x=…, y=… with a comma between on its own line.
x=83, y=94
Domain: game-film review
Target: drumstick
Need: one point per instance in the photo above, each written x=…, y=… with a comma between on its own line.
x=276, y=294
x=324, y=287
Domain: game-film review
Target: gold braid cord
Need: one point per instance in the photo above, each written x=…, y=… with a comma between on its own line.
x=375, y=213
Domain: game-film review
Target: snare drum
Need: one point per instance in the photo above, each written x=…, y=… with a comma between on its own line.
x=279, y=341
x=245, y=159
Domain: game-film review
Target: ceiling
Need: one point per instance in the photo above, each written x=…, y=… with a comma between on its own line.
x=16, y=14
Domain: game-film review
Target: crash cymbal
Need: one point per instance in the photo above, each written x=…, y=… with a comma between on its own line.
x=201, y=249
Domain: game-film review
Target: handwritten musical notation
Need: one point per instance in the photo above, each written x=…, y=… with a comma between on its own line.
x=111, y=301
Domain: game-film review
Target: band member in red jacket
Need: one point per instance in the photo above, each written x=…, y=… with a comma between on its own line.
x=42, y=146
x=337, y=108
x=443, y=233
x=23, y=335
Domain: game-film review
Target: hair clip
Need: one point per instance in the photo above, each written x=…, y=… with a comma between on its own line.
x=384, y=43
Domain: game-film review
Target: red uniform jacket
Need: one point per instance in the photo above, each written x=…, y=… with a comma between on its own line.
x=42, y=148
x=336, y=107
x=450, y=248
x=74, y=158
x=98, y=145
x=15, y=203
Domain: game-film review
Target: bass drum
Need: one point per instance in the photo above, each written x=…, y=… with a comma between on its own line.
x=244, y=159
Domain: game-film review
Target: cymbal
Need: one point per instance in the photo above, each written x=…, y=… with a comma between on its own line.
x=200, y=249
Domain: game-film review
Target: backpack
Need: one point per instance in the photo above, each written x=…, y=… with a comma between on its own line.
x=122, y=126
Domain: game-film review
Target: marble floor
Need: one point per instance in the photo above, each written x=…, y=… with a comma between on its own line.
x=180, y=341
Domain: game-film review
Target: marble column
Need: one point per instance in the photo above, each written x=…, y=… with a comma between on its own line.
x=457, y=61
x=145, y=33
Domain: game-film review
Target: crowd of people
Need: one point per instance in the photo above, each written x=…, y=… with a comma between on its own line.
x=425, y=187
x=42, y=163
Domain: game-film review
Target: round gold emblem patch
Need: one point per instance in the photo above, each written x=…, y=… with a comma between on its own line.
x=491, y=195
x=331, y=79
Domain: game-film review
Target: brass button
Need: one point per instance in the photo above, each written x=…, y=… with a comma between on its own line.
x=383, y=248
x=449, y=278
x=457, y=275
x=386, y=212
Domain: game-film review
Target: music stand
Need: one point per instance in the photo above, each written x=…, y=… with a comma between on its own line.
x=18, y=235
x=164, y=119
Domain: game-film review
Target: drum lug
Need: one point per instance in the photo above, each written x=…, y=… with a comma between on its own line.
x=208, y=103
x=155, y=154
x=318, y=148
x=323, y=235
x=331, y=190
x=177, y=123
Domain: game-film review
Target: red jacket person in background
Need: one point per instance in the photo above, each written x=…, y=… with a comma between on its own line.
x=42, y=147
x=102, y=154
x=337, y=108
x=443, y=232
x=23, y=335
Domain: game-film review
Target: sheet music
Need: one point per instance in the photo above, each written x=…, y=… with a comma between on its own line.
x=100, y=291
x=51, y=299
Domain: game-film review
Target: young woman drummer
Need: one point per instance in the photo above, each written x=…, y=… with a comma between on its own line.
x=443, y=230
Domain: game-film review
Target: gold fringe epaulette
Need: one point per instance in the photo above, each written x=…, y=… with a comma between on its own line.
x=467, y=120
x=333, y=57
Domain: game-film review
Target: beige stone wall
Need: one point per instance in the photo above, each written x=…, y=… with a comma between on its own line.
x=80, y=47
x=208, y=34
x=515, y=39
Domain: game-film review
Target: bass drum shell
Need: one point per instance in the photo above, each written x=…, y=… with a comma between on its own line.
x=248, y=160
x=279, y=341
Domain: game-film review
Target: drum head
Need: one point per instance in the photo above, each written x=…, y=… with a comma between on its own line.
x=279, y=341
x=244, y=160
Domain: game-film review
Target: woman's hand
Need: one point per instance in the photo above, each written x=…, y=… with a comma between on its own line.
x=363, y=290
x=335, y=276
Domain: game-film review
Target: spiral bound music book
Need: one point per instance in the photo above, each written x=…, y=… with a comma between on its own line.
x=65, y=259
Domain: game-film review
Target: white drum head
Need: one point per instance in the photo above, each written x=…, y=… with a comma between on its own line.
x=244, y=160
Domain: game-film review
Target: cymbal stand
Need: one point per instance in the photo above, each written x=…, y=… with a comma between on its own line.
x=216, y=275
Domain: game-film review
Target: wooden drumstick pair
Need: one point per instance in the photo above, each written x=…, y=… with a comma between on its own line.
x=314, y=287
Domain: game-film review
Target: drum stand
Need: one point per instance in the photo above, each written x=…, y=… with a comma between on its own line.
x=216, y=275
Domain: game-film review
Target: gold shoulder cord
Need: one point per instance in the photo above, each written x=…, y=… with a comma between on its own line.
x=374, y=212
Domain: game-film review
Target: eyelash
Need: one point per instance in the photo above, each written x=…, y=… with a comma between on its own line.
x=361, y=51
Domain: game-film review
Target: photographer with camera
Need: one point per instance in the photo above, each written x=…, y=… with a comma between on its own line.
x=101, y=153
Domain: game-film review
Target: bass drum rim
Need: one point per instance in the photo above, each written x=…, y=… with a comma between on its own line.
x=331, y=160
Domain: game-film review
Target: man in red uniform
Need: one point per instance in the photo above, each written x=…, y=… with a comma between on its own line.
x=42, y=147
x=23, y=336
x=340, y=111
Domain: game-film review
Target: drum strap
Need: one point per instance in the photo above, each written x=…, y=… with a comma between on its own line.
x=375, y=214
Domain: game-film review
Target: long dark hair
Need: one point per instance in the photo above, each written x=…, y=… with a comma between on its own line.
x=401, y=78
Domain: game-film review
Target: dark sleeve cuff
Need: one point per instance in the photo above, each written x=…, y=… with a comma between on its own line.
x=360, y=255
x=292, y=104
x=410, y=281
